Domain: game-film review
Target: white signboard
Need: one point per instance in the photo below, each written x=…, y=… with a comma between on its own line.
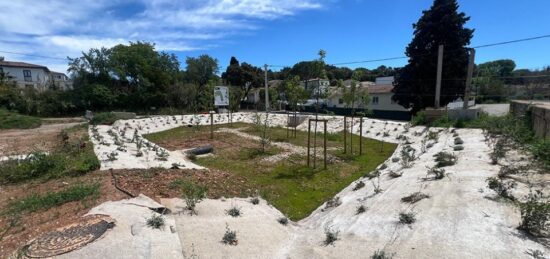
x=221, y=96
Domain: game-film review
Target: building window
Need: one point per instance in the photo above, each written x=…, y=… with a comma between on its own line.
x=340, y=101
x=375, y=100
x=27, y=75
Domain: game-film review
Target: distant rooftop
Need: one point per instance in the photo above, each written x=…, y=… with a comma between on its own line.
x=21, y=64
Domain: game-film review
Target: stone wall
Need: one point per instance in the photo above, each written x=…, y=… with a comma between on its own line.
x=540, y=112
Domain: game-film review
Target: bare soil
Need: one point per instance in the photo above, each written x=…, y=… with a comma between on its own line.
x=24, y=141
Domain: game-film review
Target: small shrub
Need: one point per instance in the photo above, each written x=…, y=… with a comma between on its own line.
x=502, y=188
x=234, y=212
x=359, y=185
x=156, y=221
x=436, y=173
x=383, y=166
x=393, y=174
x=113, y=156
x=498, y=151
x=458, y=148
x=395, y=159
x=535, y=254
x=433, y=135
x=407, y=218
x=330, y=236
x=255, y=200
x=445, y=159
x=535, y=215
x=381, y=254
x=458, y=141
x=104, y=118
x=192, y=194
x=283, y=221
x=415, y=197
x=334, y=202
x=407, y=156
x=361, y=209
x=230, y=236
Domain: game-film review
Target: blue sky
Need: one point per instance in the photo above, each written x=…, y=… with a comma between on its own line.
x=279, y=32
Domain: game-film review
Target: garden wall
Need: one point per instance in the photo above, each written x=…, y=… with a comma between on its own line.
x=540, y=113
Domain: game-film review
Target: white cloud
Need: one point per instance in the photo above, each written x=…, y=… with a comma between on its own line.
x=60, y=29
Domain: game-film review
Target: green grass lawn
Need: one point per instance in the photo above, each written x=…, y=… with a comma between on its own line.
x=11, y=120
x=289, y=185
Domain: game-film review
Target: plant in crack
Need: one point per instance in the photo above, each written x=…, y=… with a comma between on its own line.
x=255, y=200
x=360, y=209
x=334, y=202
x=283, y=221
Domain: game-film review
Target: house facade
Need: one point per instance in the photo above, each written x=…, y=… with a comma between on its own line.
x=26, y=75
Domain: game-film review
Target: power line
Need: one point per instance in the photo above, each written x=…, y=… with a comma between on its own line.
x=512, y=41
x=31, y=55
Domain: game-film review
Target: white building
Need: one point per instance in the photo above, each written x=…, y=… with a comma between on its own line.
x=315, y=85
x=26, y=75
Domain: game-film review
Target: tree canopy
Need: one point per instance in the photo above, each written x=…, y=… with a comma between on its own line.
x=444, y=25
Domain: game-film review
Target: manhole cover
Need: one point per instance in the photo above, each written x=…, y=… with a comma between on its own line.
x=70, y=237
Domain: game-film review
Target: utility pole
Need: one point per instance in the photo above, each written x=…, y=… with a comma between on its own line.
x=469, y=78
x=438, y=80
x=266, y=90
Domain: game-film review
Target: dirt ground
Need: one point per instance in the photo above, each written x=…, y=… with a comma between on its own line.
x=44, y=138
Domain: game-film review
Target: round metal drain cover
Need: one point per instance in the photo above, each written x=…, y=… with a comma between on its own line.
x=70, y=237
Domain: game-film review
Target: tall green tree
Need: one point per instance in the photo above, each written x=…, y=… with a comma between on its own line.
x=202, y=69
x=441, y=24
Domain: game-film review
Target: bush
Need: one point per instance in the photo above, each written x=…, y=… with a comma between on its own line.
x=419, y=119
x=10, y=120
x=156, y=221
x=104, y=118
x=535, y=215
x=458, y=141
x=192, y=194
x=234, y=212
x=445, y=159
x=230, y=237
x=458, y=148
x=407, y=218
x=330, y=236
x=501, y=187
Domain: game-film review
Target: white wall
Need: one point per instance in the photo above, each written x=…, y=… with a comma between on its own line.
x=39, y=77
x=384, y=103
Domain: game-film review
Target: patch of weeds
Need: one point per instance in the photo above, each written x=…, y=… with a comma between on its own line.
x=436, y=173
x=535, y=254
x=331, y=236
x=113, y=156
x=433, y=135
x=444, y=159
x=230, y=236
x=360, y=209
x=535, y=215
x=255, y=200
x=511, y=170
x=234, y=212
x=415, y=197
x=156, y=221
x=192, y=194
x=381, y=254
x=502, y=188
x=498, y=151
x=36, y=202
x=283, y=221
x=407, y=218
x=407, y=156
x=359, y=185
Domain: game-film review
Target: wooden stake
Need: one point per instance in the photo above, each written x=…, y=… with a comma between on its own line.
x=211, y=125
x=361, y=136
x=308, y=137
x=325, y=144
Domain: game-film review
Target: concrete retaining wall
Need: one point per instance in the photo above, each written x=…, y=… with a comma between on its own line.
x=540, y=112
